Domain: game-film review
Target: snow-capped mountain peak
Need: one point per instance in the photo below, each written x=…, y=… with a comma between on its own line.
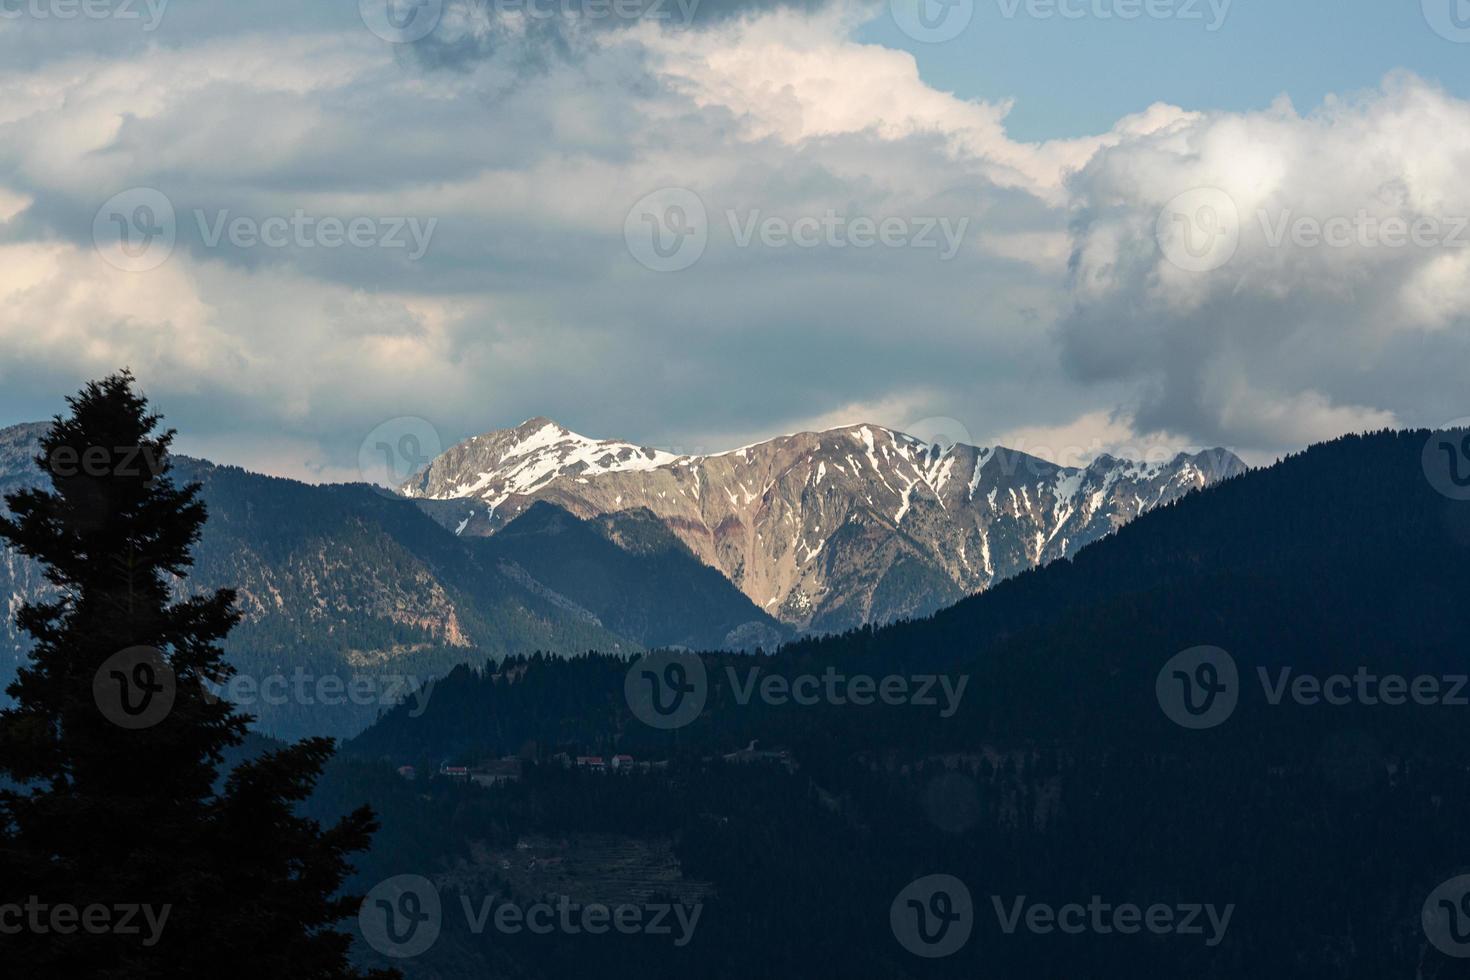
x=824, y=529
x=525, y=459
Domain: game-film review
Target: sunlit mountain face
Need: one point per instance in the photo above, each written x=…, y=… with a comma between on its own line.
x=824, y=530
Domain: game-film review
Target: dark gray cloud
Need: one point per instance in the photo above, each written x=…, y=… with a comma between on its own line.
x=530, y=35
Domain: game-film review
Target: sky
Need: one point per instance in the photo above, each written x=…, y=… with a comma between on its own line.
x=1077, y=72
x=1067, y=226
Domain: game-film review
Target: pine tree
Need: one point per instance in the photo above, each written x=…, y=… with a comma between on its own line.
x=113, y=746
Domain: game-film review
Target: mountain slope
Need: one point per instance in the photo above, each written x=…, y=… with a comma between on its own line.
x=824, y=530
x=1338, y=555
x=1325, y=825
x=636, y=577
x=349, y=582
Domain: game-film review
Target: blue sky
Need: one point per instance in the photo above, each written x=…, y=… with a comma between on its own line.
x=1071, y=77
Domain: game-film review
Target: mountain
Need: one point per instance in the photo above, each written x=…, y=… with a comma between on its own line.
x=20, y=579
x=634, y=575
x=1326, y=816
x=1339, y=555
x=824, y=530
x=347, y=581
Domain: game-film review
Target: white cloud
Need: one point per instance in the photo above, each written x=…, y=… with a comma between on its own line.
x=12, y=204
x=1081, y=440
x=1293, y=338
x=797, y=78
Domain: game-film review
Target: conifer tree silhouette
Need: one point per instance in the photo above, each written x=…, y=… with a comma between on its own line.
x=113, y=746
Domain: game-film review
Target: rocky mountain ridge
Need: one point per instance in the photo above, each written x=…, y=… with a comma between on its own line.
x=824, y=530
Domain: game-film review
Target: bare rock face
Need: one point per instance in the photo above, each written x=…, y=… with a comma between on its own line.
x=823, y=530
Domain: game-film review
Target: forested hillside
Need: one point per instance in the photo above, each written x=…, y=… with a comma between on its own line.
x=1061, y=774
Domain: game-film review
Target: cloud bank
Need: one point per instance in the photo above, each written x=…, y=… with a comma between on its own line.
x=272, y=332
